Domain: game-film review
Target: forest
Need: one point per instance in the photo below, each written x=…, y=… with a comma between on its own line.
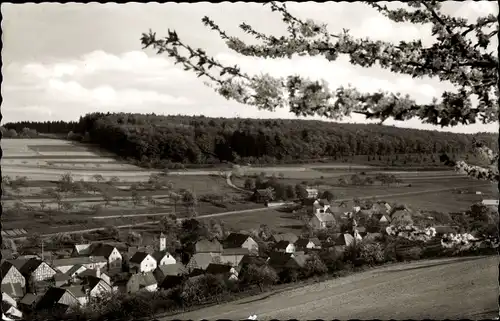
x=159, y=141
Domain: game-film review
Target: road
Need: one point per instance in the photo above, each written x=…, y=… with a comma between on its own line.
x=452, y=288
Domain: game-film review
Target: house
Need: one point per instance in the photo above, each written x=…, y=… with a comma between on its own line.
x=226, y=271
x=29, y=302
x=79, y=292
x=89, y=262
x=284, y=246
x=263, y=195
x=37, y=270
x=239, y=240
x=401, y=216
x=255, y=260
x=61, y=279
x=11, y=311
x=206, y=246
x=171, y=281
x=202, y=260
x=163, y=258
x=322, y=221
x=312, y=193
x=307, y=243
x=57, y=298
x=490, y=202
x=380, y=208
x=110, y=253
x=142, y=262
x=96, y=287
x=341, y=241
x=321, y=206
x=13, y=282
x=10, y=300
x=233, y=256
x=290, y=237
x=280, y=261
x=95, y=273
x=144, y=281
x=162, y=271
x=134, y=249
x=382, y=218
x=75, y=270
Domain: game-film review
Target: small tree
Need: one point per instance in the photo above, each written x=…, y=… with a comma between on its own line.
x=301, y=191
x=314, y=266
x=98, y=178
x=134, y=238
x=260, y=275
x=249, y=184
x=328, y=195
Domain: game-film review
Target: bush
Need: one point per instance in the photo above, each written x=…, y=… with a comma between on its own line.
x=409, y=254
x=371, y=253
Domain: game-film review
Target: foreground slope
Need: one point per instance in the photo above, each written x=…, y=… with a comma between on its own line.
x=436, y=289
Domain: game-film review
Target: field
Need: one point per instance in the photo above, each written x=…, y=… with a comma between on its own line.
x=457, y=288
x=44, y=161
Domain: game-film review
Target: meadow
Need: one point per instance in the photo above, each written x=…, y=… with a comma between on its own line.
x=44, y=161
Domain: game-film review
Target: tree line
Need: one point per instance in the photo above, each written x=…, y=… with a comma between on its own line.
x=157, y=141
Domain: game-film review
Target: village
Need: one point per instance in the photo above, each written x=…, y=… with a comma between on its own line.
x=34, y=282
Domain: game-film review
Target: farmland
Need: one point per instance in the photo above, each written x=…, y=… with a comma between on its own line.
x=108, y=193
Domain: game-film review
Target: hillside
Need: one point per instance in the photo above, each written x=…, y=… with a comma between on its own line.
x=157, y=141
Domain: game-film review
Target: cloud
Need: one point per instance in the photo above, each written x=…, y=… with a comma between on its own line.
x=106, y=95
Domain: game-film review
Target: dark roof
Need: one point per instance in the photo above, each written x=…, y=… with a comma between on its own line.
x=5, y=267
x=100, y=249
x=30, y=299
x=257, y=260
x=196, y=272
x=302, y=242
x=15, y=290
x=78, y=291
x=7, y=254
x=61, y=277
x=235, y=240
x=138, y=257
x=204, y=245
x=171, y=281
x=18, y=263
x=171, y=269
x=323, y=202
x=73, y=269
x=279, y=259
x=216, y=269
x=159, y=255
x=235, y=251
x=31, y=266
x=50, y=298
x=281, y=245
x=285, y=236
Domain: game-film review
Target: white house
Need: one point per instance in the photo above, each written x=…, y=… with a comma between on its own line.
x=308, y=243
x=285, y=246
x=321, y=206
x=322, y=220
x=11, y=311
x=239, y=240
x=109, y=252
x=312, y=192
x=163, y=258
x=143, y=262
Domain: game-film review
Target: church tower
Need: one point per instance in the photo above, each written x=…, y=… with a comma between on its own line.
x=163, y=242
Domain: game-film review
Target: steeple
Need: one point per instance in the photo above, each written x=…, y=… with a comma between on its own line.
x=163, y=242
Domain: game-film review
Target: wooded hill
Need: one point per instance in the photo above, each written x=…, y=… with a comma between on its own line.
x=159, y=140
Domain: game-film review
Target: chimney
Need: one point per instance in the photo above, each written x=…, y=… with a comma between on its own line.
x=98, y=271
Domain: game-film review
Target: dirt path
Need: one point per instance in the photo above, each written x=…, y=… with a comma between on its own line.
x=436, y=289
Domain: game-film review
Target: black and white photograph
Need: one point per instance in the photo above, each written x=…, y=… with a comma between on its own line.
x=250, y=161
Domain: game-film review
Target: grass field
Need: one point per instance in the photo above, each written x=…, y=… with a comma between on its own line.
x=456, y=288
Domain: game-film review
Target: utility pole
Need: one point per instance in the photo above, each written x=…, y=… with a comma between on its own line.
x=41, y=240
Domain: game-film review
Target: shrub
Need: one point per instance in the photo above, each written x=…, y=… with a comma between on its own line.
x=314, y=267
x=409, y=253
x=371, y=253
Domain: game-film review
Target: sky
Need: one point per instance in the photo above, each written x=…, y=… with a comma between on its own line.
x=61, y=61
